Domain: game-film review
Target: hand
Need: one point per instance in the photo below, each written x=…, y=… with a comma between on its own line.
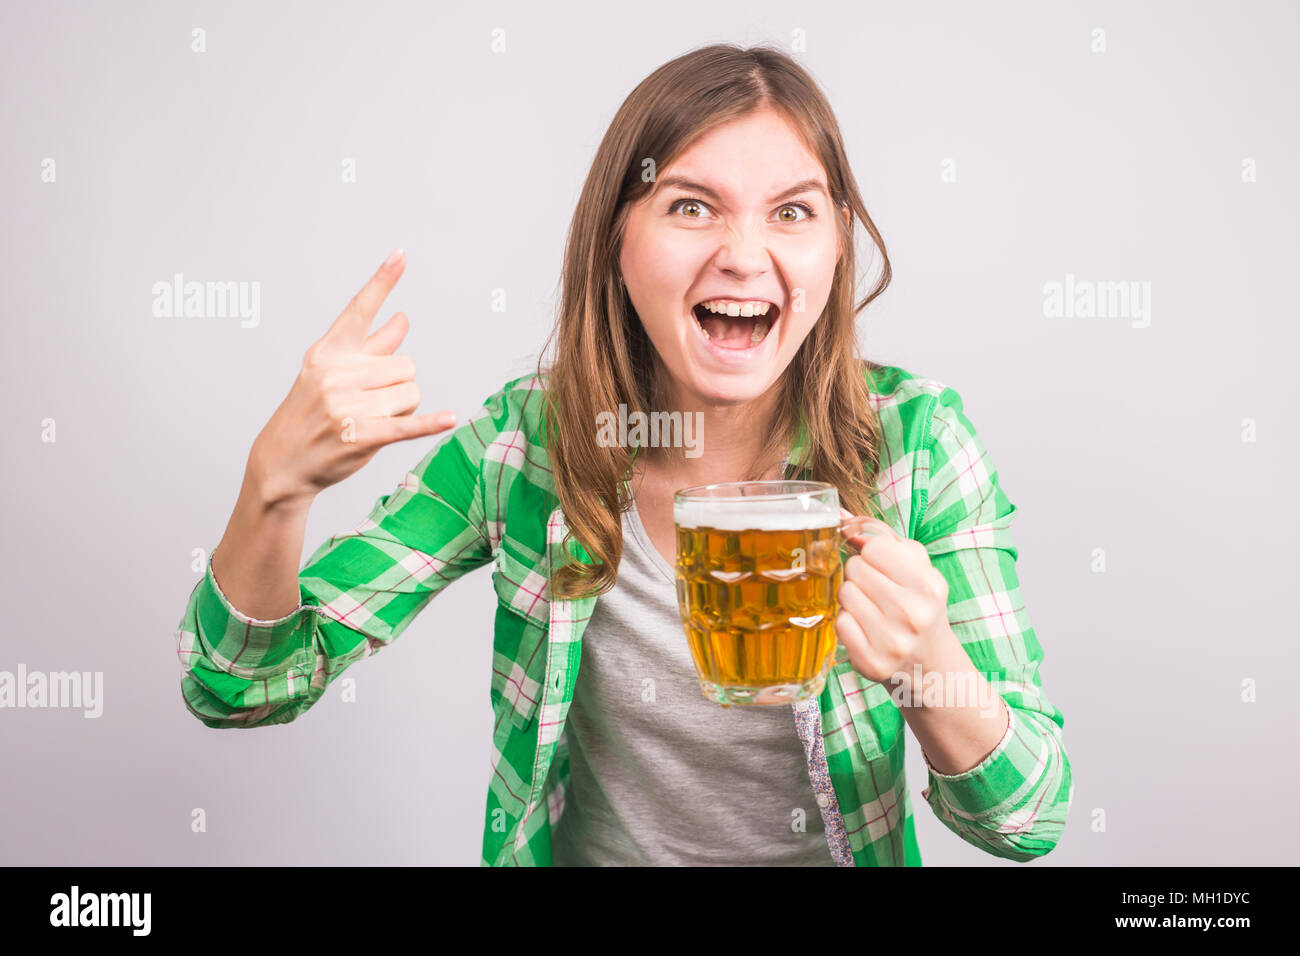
x=352, y=397
x=893, y=604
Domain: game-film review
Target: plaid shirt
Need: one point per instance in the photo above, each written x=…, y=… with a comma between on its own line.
x=485, y=494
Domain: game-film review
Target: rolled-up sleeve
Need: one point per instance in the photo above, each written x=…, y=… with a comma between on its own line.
x=358, y=592
x=1014, y=803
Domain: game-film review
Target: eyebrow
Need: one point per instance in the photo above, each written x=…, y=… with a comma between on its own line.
x=690, y=185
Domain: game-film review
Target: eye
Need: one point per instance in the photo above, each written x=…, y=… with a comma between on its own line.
x=687, y=203
x=807, y=210
x=698, y=206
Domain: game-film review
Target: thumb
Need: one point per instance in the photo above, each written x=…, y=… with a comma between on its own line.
x=405, y=427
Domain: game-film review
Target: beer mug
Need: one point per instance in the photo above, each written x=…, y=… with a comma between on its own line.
x=759, y=567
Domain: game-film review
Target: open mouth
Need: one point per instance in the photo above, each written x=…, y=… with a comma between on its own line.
x=736, y=324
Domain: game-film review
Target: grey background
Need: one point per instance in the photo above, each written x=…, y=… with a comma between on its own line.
x=225, y=165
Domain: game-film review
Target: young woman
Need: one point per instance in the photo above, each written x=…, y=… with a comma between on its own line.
x=710, y=269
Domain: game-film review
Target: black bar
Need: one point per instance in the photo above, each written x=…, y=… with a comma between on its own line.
x=312, y=905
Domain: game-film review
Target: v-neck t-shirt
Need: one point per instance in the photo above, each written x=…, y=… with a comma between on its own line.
x=660, y=775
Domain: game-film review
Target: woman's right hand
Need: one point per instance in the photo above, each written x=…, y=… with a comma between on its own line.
x=352, y=397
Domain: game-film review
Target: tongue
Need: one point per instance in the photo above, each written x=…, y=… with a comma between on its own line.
x=729, y=332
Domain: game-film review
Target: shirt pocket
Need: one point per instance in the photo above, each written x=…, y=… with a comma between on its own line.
x=519, y=644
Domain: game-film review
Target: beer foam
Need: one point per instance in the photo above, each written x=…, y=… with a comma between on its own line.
x=754, y=514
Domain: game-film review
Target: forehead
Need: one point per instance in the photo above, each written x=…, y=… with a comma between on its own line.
x=751, y=157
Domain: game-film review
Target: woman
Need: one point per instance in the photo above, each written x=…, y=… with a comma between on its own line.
x=710, y=269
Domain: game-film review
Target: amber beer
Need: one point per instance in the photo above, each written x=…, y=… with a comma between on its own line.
x=759, y=569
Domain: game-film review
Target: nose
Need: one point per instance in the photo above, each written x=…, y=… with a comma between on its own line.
x=743, y=251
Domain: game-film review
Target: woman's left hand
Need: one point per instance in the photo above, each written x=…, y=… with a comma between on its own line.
x=893, y=604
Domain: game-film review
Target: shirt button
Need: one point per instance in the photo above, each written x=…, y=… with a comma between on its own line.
x=822, y=800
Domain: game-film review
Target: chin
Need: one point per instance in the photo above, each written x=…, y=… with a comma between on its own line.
x=734, y=388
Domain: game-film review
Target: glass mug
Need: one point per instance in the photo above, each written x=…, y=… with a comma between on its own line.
x=759, y=568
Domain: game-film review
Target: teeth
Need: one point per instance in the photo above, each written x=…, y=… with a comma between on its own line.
x=733, y=308
x=751, y=308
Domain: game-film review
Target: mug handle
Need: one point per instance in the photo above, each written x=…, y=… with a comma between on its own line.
x=850, y=528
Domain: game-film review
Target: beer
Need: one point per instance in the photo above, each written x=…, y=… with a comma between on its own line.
x=758, y=573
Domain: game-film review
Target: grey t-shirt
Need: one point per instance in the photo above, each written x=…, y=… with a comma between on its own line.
x=658, y=774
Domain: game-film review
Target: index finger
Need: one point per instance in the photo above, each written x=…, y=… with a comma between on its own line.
x=354, y=321
x=903, y=560
x=854, y=527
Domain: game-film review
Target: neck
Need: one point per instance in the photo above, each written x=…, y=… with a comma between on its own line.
x=731, y=438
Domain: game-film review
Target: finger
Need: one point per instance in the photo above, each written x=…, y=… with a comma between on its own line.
x=864, y=610
x=856, y=530
x=905, y=566
x=875, y=584
x=863, y=526
x=400, y=399
x=385, y=339
x=861, y=655
x=377, y=371
x=353, y=323
x=384, y=431
x=903, y=560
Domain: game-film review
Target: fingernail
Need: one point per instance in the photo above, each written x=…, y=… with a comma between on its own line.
x=447, y=418
x=394, y=257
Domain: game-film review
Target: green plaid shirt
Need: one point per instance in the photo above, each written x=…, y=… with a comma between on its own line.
x=484, y=494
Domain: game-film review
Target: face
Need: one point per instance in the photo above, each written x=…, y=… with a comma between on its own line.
x=741, y=220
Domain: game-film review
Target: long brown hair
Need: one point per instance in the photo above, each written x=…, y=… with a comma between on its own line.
x=604, y=356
